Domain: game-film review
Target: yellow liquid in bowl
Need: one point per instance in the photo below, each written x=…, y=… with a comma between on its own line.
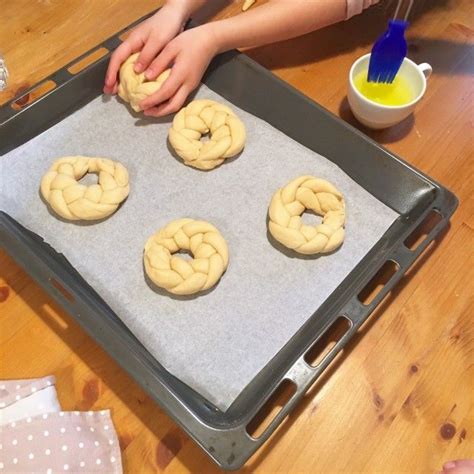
x=399, y=92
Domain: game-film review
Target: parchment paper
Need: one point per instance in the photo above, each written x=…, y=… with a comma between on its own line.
x=217, y=342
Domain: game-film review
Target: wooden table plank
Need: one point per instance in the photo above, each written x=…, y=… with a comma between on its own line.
x=387, y=403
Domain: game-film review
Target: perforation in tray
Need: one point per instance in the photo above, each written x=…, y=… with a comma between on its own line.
x=377, y=283
x=316, y=354
x=33, y=94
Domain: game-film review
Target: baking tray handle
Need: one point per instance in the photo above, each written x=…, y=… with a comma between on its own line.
x=27, y=97
x=303, y=375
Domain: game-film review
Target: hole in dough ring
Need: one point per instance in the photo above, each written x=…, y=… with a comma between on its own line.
x=75, y=201
x=174, y=273
x=133, y=87
x=227, y=134
x=287, y=205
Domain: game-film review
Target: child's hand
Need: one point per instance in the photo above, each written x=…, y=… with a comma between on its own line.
x=150, y=37
x=189, y=54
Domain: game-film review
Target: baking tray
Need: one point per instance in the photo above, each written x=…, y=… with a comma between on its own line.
x=223, y=435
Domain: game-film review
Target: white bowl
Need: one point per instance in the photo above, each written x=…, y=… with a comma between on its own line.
x=375, y=115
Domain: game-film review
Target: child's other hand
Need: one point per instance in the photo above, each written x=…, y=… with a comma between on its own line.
x=461, y=466
x=189, y=54
x=150, y=37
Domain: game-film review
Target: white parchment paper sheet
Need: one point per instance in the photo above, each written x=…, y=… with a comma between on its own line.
x=217, y=342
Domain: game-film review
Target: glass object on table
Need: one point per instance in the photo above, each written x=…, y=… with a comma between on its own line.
x=3, y=73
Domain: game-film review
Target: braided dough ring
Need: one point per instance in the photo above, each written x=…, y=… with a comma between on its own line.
x=184, y=277
x=135, y=87
x=227, y=134
x=75, y=201
x=289, y=202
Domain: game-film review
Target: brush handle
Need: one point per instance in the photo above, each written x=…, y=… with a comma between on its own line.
x=407, y=10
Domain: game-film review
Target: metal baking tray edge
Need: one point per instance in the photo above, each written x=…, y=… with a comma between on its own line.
x=223, y=435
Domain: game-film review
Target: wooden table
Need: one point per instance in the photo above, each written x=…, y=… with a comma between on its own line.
x=401, y=397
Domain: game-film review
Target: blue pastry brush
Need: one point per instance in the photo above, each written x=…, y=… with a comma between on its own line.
x=390, y=49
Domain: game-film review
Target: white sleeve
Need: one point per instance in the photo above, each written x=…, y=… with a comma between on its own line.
x=354, y=7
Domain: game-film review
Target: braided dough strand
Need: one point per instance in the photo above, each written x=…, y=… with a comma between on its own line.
x=75, y=201
x=133, y=87
x=184, y=277
x=227, y=134
x=289, y=202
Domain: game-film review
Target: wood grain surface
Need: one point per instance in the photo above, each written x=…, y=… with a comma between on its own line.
x=400, y=399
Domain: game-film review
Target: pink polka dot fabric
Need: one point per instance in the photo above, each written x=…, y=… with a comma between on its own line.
x=23, y=398
x=53, y=441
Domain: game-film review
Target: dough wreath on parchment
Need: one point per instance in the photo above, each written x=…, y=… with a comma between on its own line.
x=135, y=87
x=321, y=197
x=227, y=134
x=75, y=201
x=180, y=276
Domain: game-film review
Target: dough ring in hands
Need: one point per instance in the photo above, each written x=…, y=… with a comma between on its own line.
x=184, y=277
x=227, y=134
x=135, y=87
x=317, y=195
x=75, y=201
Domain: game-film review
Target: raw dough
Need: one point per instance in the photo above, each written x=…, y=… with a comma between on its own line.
x=75, y=201
x=227, y=134
x=184, y=277
x=135, y=87
x=318, y=195
x=247, y=4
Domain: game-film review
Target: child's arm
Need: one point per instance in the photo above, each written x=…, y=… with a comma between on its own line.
x=191, y=51
x=150, y=37
x=277, y=20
